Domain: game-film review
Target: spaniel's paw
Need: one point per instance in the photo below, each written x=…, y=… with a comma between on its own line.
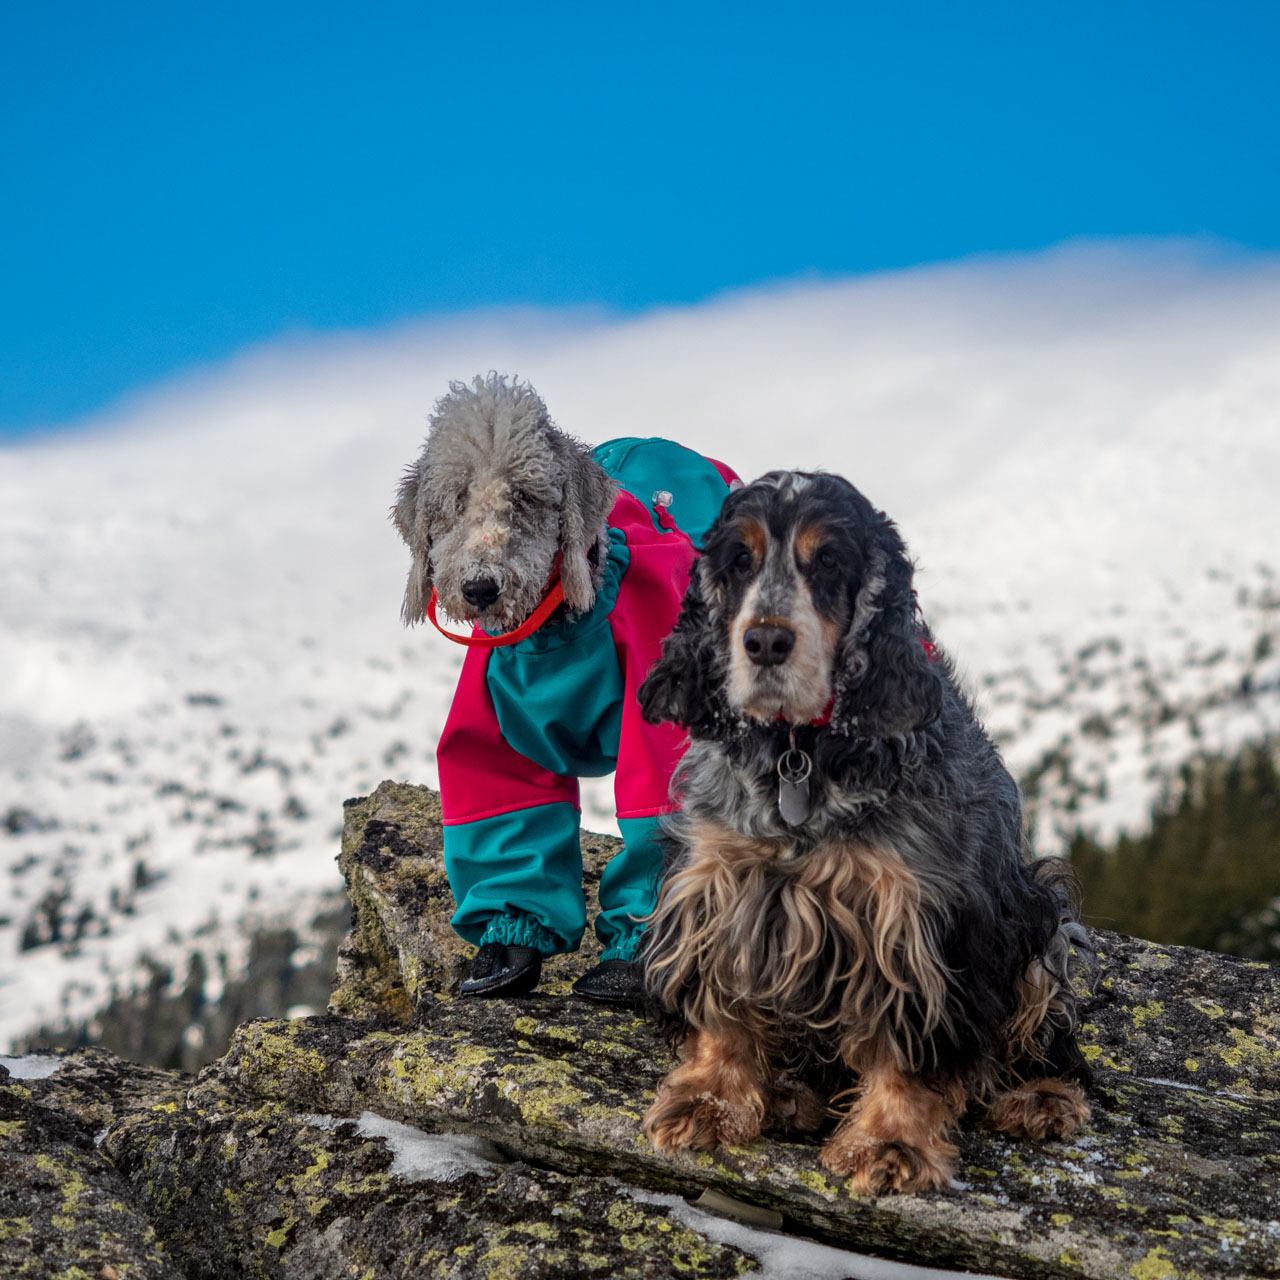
x=1040, y=1109
x=877, y=1167
x=679, y=1120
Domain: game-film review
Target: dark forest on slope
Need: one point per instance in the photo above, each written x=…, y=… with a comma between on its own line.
x=1207, y=873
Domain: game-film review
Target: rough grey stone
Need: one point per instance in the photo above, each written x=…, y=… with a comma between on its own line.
x=65, y=1211
x=261, y=1166
x=1176, y=1174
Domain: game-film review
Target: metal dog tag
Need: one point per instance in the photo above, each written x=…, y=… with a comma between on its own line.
x=794, y=767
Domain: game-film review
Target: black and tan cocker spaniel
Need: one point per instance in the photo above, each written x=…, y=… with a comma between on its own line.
x=848, y=906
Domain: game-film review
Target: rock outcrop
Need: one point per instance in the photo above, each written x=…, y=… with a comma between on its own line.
x=408, y=1133
x=65, y=1209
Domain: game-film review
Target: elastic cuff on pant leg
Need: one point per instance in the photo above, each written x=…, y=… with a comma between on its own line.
x=521, y=931
x=624, y=948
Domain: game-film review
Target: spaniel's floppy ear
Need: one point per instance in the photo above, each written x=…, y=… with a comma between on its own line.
x=887, y=685
x=410, y=517
x=588, y=497
x=686, y=685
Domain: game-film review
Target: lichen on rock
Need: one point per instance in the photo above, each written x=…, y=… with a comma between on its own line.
x=65, y=1211
x=401, y=953
x=1181, y=1160
x=296, y=1198
x=268, y=1163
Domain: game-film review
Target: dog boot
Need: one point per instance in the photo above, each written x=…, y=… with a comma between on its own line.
x=612, y=982
x=498, y=970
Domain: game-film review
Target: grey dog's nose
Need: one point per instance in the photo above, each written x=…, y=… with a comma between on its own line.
x=767, y=645
x=481, y=592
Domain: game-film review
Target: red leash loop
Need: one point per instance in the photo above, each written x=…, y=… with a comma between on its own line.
x=550, y=603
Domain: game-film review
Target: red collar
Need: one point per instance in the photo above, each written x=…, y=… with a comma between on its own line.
x=823, y=719
x=479, y=640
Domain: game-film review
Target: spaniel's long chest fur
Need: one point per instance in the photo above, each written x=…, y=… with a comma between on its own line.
x=791, y=944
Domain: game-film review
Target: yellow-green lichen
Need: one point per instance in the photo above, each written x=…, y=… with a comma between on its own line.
x=532, y=1027
x=71, y=1183
x=418, y=1077
x=1093, y=1054
x=816, y=1183
x=539, y=1230
x=1157, y=1265
x=545, y=1094
x=316, y=1167
x=1246, y=1049
x=1146, y=1012
x=1208, y=1007
x=624, y=1216
x=271, y=1050
x=280, y=1236
x=503, y=1261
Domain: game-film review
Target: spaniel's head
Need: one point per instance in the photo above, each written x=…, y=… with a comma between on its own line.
x=801, y=605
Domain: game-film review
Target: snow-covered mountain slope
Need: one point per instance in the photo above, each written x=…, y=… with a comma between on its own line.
x=200, y=654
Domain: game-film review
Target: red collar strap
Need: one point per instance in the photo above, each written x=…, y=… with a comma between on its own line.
x=823, y=719
x=549, y=604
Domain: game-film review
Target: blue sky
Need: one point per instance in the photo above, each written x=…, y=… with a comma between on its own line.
x=183, y=181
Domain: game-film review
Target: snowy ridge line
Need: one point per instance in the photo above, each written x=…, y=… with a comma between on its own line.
x=200, y=653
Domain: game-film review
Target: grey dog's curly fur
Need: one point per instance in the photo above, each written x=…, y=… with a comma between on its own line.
x=498, y=492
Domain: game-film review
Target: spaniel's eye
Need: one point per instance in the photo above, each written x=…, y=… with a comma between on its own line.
x=743, y=560
x=827, y=558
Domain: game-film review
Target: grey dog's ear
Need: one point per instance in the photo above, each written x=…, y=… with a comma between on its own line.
x=588, y=498
x=410, y=517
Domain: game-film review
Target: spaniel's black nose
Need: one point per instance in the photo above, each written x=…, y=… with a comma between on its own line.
x=768, y=645
x=481, y=592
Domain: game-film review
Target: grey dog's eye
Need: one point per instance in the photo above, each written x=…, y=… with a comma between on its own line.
x=827, y=558
x=742, y=561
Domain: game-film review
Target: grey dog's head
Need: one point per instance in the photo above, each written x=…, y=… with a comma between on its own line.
x=496, y=494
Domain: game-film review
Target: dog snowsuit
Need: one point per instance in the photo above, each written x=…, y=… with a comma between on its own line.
x=529, y=719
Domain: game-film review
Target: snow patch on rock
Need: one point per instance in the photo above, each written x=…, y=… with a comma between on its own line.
x=418, y=1156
